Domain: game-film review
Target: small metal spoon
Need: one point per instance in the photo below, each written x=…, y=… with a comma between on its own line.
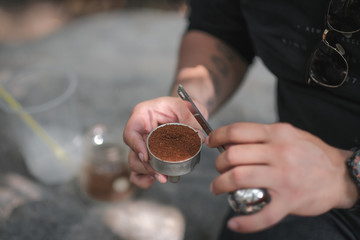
x=242, y=201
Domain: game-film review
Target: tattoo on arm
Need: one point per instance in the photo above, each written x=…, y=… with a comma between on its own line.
x=210, y=103
x=217, y=87
x=228, y=53
x=220, y=65
x=216, y=82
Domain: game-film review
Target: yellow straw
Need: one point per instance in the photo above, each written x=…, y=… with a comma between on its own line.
x=29, y=121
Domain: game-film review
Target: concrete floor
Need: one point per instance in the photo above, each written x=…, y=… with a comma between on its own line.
x=120, y=58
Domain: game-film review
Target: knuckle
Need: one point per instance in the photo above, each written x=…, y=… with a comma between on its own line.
x=236, y=176
x=283, y=127
x=219, y=165
x=138, y=106
x=232, y=133
x=230, y=156
x=226, y=160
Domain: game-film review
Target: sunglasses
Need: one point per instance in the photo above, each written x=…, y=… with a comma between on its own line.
x=328, y=66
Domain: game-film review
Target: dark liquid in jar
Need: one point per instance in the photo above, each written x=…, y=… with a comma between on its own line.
x=106, y=174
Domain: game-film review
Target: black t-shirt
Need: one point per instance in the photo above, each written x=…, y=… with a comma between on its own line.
x=284, y=33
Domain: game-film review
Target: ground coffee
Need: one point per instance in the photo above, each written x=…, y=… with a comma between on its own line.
x=174, y=142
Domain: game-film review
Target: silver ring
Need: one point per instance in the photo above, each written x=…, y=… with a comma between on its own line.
x=248, y=201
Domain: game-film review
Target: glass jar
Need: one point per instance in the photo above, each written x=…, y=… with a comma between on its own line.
x=105, y=173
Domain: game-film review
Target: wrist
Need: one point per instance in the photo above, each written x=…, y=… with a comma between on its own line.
x=353, y=167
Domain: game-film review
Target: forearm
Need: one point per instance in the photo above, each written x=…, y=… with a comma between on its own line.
x=208, y=69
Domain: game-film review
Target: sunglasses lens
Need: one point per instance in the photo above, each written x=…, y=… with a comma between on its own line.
x=327, y=66
x=344, y=15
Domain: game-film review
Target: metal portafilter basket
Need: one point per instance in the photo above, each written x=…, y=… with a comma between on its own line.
x=242, y=201
x=174, y=169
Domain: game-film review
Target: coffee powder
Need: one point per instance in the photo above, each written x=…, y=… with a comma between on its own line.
x=174, y=142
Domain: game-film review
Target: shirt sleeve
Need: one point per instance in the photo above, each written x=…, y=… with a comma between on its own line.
x=222, y=19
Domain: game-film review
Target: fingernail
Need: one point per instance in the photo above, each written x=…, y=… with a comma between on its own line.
x=211, y=188
x=157, y=176
x=232, y=224
x=160, y=178
x=141, y=157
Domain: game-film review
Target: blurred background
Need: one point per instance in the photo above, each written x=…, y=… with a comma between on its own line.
x=112, y=54
x=22, y=20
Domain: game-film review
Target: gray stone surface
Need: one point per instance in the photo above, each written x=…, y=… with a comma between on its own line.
x=121, y=58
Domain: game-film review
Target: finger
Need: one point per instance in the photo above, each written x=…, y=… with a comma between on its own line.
x=240, y=155
x=134, y=138
x=271, y=214
x=136, y=165
x=142, y=180
x=143, y=168
x=240, y=132
x=244, y=177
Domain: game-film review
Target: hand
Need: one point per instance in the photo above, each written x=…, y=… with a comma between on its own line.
x=304, y=175
x=144, y=118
